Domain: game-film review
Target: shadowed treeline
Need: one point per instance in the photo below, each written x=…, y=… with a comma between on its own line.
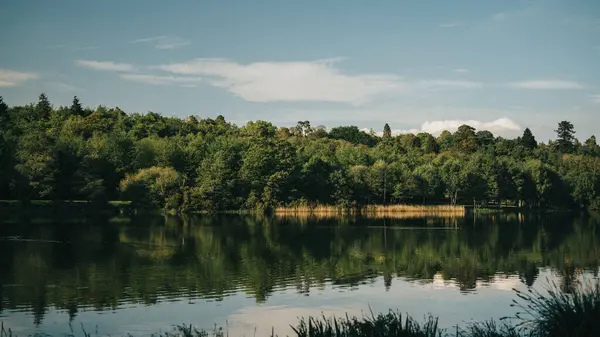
x=104, y=264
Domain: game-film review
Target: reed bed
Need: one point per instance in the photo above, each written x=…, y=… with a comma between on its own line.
x=423, y=210
x=374, y=211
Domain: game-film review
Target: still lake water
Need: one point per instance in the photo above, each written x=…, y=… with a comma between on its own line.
x=145, y=274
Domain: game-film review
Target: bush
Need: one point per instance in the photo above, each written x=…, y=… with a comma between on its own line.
x=154, y=187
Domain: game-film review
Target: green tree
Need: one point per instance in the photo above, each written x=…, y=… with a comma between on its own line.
x=446, y=141
x=484, y=138
x=76, y=108
x=7, y=148
x=590, y=147
x=428, y=143
x=153, y=187
x=466, y=140
x=387, y=131
x=565, y=136
x=304, y=128
x=351, y=134
x=528, y=140
x=43, y=108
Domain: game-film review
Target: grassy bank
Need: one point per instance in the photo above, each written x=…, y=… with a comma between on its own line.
x=552, y=314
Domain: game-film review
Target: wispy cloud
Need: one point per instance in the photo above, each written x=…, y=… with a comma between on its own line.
x=450, y=84
x=161, y=80
x=450, y=25
x=164, y=42
x=548, y=84
x=461, y=70
x=105, y=65
x=289, y=81
x=595, y=98
x=12, y=78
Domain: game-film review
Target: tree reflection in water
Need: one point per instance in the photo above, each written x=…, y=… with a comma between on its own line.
x=105, y=263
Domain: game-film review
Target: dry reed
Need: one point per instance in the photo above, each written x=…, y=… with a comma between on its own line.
x=375, y=211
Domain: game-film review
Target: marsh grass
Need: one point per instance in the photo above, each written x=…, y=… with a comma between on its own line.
x=490, y=328
x=392, y=324
x=559, y=313
x=374, y=211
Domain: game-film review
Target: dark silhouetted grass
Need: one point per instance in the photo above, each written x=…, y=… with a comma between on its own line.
x=391, y=324
x=559, y=313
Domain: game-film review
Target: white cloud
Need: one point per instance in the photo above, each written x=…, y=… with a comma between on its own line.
x=461, y=70
x=164, y=42
x=450, y=25
x=450, y=84
x=289, y=81
x=595, y=98
x=11, y=78
x=161, y=80
x=105, y=65
x=548, y=84
x=501, y=126
x=498, y=126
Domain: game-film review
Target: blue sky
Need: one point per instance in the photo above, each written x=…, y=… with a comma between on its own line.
x=417, y=65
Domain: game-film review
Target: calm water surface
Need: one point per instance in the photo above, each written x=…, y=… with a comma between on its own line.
x=144, y=274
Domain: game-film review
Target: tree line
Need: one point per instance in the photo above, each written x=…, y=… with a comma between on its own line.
x=203, y=164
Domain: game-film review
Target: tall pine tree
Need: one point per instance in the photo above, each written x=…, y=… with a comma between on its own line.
x=387, y=131
x=528, y=140
x=76, y=109
x=565, y=136
x=43, y=107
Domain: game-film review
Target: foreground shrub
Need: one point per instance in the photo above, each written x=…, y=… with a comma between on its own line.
x=559, y=313
x=154, y=187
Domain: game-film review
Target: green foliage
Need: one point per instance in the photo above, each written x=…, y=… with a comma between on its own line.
x=565, y=134
x=528, y=140
x=353, y=135
x=387, y=131
x=153, y=187
x=69, y=153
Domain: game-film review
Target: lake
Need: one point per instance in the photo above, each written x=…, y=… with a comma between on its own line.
x=144, y=274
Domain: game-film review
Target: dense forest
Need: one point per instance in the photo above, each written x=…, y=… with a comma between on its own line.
x=193, y=164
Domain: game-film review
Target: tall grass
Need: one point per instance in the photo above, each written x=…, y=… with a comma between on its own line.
x=560, y=313
x=383, y=325
x=374, y=211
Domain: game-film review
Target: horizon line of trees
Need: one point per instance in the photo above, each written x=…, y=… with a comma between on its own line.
x=194, y=164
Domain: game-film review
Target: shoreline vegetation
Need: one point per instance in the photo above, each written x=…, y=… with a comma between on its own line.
x=553, y=313
x=193, y=164
x=375, y=210
x=319, y=211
